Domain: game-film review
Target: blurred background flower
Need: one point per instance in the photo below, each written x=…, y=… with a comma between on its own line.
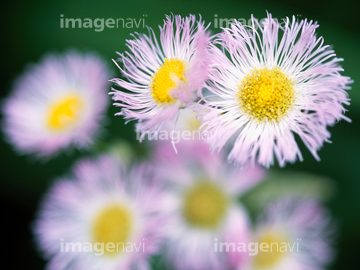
x=205, y=190
x=32, y=29
x=56, y=104
x=306, y=229
x=84, y=216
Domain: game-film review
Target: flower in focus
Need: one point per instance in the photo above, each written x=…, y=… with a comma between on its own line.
x=294, y=234
x=205, y=207
x=277, y=82
x=161, y=78
x=102, y=218
x=56, y=103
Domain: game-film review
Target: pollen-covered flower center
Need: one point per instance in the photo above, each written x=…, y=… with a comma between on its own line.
x=113, y=225
x=166, y=79
x=266, y=94
x=205, y=205
x=274, y=247
x=64, y=113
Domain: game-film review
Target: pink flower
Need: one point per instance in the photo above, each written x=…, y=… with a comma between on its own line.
x=205, y=208
x=277, y=82
x=102, y=217
x=295, y=233
x=161, y=78
x=57, y=103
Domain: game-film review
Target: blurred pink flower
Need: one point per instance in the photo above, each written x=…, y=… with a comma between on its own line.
x=102, y=204
x=57, y=103
x=205, y=191
x=298, y=232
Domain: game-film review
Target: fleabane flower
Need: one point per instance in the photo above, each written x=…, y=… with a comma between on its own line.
x=102, y=217
x=57, y=103
x=292, y=233
x=269, y=83
x=161, y=78
x=205, y=207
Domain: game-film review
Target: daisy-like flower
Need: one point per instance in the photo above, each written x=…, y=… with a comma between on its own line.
x=56, y=103
x=102, y=218
x=161, y=78
x=292, y=233
x=268, y=83
x=205, y=208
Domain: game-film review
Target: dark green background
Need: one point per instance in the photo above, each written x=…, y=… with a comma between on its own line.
x=30, y=29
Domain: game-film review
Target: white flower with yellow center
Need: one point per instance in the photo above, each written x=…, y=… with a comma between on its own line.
x=161, y=78
x=294, y=234
x=269, y=82
x=104, y=218
x=57, y=103
x=205, y=208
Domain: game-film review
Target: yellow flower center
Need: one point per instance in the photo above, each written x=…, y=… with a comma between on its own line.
x=205, y=205
x=112, y=225
x=64, y=113
x=274, y=252
x=166, y=78
x=266, y=94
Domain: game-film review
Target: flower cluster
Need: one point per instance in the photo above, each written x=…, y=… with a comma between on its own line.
x=107, y=216
x=244, y=93
x=262, y=83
